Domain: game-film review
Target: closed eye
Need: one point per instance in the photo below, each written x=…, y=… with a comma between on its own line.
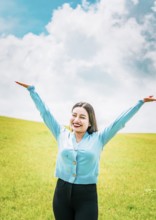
x=83, y=117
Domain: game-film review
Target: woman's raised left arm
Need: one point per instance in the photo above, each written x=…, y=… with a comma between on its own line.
x=149, y=99
x=120, y=122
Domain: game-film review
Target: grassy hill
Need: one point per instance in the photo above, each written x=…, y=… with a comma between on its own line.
x=127, y=180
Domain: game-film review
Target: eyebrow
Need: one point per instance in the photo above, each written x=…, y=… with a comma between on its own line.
x=80, y=114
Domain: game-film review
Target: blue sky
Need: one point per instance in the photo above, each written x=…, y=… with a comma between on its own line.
x=103, y=52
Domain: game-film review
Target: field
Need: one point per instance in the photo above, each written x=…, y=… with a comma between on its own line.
x=127, y=180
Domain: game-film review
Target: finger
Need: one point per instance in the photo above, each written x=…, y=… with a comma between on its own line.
x=19, y=83
x=22, y=84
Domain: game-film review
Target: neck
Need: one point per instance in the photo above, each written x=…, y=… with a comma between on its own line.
x=79, y=136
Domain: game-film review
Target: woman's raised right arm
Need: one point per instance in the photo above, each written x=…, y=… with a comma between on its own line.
x=48, y=118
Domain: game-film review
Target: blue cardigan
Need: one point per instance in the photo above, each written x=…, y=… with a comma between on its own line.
x=78, y=163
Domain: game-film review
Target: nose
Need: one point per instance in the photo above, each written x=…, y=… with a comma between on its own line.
x=77, y=119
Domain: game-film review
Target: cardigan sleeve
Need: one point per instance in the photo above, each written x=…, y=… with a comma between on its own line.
x=119, y=123
x=46, y=115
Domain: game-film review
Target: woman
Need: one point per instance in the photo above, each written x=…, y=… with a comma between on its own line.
x=79, y=150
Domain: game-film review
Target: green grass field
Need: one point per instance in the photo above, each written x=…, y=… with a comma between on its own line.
x=127, y=180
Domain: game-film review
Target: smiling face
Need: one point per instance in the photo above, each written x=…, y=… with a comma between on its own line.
x=79, y=121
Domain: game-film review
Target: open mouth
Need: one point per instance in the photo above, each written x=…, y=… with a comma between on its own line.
x=76, y=125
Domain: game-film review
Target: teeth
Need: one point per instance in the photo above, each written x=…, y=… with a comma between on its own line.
x=77, y=125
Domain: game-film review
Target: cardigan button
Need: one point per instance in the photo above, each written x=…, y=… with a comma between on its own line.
x=74, y=175
x=74, y=162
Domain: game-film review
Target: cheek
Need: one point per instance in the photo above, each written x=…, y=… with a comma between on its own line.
x=71, y=120
x=87, y=123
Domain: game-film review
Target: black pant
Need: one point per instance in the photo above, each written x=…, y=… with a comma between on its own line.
x=75, y=201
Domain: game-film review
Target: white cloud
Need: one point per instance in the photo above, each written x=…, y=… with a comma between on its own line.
x=154, y=6
x=7, y=22
x=4, y=5
x=92, y=53
x=6, y=25
x=135, y=2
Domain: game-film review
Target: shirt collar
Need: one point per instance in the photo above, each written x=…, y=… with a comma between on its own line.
x=83, y=138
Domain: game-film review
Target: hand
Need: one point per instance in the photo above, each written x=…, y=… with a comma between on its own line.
x=149, y=99
x=22, y=84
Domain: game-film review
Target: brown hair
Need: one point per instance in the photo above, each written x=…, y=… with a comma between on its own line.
x=92, y=119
